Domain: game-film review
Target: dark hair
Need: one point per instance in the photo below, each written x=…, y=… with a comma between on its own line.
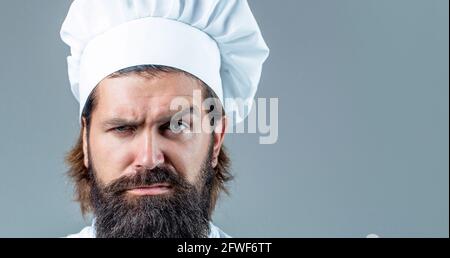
x=75, y=157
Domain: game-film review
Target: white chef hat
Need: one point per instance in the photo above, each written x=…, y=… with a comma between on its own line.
x=218, y=41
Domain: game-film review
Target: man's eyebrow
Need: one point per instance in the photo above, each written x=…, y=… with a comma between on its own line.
x=191, y=110
x=117, y=121
x=120, y=122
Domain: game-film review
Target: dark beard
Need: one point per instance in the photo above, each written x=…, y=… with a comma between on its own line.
x=181, y=213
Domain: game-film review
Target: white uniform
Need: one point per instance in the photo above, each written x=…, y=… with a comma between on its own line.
x=89, y=232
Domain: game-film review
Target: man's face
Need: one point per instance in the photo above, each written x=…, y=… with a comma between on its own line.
x=144, y=171
x=130, y=127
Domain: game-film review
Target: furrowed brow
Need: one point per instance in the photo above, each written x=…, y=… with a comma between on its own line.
x=191, y=111
x=117, y=121
x=114, y=122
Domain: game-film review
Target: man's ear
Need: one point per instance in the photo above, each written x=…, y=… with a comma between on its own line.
x=85, y=143
x=219, y=137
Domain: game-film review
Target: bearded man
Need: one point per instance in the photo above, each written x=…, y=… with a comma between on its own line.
x=158, y=82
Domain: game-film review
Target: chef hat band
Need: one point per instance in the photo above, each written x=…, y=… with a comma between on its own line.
x=166, y=42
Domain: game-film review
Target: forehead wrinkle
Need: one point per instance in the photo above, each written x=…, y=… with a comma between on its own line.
x=158, y=110
x=142, y=103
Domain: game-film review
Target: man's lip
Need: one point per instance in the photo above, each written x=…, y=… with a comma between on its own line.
x=153, y=189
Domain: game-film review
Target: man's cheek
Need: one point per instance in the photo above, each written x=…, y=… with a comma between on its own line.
x=111, y=164
x=184, y=168
x=186, y=158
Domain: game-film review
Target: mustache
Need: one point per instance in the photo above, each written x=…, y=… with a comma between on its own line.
x=157, y=175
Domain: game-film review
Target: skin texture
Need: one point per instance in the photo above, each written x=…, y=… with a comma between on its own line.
x=121, y=149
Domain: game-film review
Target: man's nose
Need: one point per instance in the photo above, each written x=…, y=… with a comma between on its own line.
x=149, y=154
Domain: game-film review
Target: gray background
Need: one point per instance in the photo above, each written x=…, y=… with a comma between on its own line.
x=363, y=123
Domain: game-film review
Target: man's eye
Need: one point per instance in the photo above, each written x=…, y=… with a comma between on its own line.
x=178, y=126
x=123, y=129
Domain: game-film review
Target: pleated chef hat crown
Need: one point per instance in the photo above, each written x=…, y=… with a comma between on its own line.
x=218, y=41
